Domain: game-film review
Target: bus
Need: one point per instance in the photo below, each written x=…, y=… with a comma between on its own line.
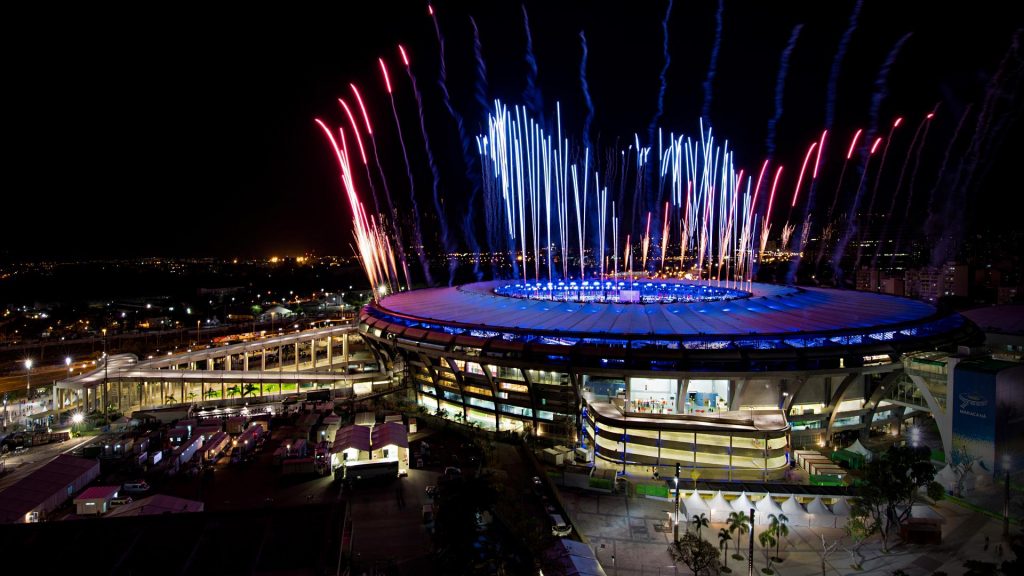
x=362, y=470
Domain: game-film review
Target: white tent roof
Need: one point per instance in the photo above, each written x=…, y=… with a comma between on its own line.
x=791, y=506
x=720, y=508
x=860, y=449
x=794, y=512
x=841, y=507
x=816, y=507
x=766, y=506
x=946, y=477
x=695, y=505
x=742, y=504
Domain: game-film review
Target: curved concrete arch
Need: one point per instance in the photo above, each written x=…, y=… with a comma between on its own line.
x=837, y=397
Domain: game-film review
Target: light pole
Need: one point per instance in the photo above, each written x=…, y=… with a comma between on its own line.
x=750, y=549
x=28, y=387
x=675, y=524
x=106, y=361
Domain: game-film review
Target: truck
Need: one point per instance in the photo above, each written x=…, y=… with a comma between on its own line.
x=298, y=466
x=363, y=470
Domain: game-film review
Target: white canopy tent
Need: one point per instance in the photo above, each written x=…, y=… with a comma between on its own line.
x=819, y=516
x=841, y=509
x=742, y=504
x=766, y=506
x=795, y=512
x=946, y=477
x=720, y=508
x=695, y=506
x=860, y=449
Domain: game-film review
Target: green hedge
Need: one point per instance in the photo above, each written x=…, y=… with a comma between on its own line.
x=601, y=483
x=660, y=491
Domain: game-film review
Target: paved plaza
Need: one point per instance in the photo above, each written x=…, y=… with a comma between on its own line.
x=636, y=532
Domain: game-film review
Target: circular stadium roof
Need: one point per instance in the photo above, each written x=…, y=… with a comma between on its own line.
x=770, y=309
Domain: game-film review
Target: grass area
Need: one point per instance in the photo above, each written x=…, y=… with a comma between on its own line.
x=979, y=509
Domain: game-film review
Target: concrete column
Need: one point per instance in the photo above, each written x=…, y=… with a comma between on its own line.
x=120, y=393
x=330, y=353
x=263, y=360
x=296, y=356
x=209, y=363
x=344, y=348
x=56, y=405
x=312, y=352
x=227, y=362
x=245, y=360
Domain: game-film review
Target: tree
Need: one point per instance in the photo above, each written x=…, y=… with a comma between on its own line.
x=697, y=554
x=890, y=486
x=767, y=540
x=191, y=396
x=170, y=399
x=233, y=391
x=248, y=389
x=699, y=522
x=211, y=393
x=738, y=522
x=859, y=528
x=963, y=463
x=779, y=527
x=826, y=550
x=723, y=542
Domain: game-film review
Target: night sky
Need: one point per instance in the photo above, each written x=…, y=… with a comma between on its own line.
x=173, y=132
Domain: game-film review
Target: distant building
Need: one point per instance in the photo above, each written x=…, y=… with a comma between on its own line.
x=35, y=496
x=1004, y=330
x=931, y=283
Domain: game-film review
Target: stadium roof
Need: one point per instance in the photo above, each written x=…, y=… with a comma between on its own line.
x=770, y=309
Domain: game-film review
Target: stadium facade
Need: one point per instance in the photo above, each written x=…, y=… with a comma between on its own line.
x=727, y=379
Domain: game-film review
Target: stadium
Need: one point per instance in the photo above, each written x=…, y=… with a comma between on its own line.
x=726, y=378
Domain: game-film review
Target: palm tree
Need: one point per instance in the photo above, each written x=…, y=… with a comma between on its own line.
x=738, y=522
x=170, y=399
x=248, y=389
x=767, y=540
x=191, y=396
x=723, y=542
x=233, y=391
x=779, y=527
x=700, y=522
x=270, y=388
x=211, y=393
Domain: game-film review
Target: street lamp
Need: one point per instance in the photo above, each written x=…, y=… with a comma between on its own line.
x=28, y=386
x=675, y=525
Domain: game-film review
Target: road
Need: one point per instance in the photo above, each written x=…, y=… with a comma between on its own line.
x=21, y=465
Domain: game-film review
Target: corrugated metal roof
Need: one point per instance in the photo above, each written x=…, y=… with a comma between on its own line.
x=33, y=490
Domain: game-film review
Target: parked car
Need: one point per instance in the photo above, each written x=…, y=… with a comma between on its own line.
x=137, y=486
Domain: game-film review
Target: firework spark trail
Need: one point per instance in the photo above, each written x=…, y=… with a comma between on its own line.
x=874, y=191
x=766, y=221
x=531, y=95
x=662, y=76
x=1000, y=101
x=851, y=227
x=392, y=213
x=371, y=243
x=780, y=86
x=362, y=153
x=417, y=237
x=585, y=87
x=467, y=155
x=480, y=88
x=931, y=223
x=805, y=230
x=438, y=204
x=837, y=63
x=829, y=225
x=912, y=186
x=912, y=152
x=706, y=109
